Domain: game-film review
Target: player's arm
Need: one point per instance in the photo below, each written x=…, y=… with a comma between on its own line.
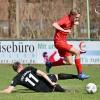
x=41, y=73
x=9, y=89
x=57, y=26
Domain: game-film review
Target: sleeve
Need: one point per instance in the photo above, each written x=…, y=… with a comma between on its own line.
x=34, y=70
x=62, y=21
x=14, y=82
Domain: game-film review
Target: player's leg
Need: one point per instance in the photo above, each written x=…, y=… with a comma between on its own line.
x=77, y=59
x=53, y=77
x=52, y=56
x=63, y=76
x=58, y=88
x=78, y=63
x=61, y=61
x=63, y=52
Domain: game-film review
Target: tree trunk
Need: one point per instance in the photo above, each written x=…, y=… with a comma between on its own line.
x=12, y=18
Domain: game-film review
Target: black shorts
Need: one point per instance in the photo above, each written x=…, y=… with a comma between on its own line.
x=46, y=87
x=52, y=77
x=57, y=87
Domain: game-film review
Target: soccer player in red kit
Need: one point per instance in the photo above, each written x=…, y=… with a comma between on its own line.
x=63, y=28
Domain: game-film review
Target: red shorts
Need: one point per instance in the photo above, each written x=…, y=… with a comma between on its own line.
x=63, y=49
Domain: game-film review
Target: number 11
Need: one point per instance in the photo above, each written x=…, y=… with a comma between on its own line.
x=27, y=79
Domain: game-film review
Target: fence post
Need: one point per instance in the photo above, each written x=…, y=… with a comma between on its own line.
x=88, y=18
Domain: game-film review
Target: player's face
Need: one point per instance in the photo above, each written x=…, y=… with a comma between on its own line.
x=20, y=68
x=76, y=19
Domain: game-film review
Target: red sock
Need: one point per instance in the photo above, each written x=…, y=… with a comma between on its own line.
x=57, y=63
x=51, y=58
x=78, y=65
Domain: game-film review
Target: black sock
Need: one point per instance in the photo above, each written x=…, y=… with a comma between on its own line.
x=63, y=76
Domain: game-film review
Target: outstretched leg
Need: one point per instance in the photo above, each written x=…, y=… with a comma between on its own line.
x=63, y=76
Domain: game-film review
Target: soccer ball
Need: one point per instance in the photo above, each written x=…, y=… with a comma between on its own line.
x=91, y=88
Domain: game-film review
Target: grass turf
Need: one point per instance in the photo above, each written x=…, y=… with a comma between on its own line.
x=75, y=88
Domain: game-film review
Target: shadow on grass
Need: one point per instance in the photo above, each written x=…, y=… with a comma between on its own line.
x=23, y=91
x=31, y=91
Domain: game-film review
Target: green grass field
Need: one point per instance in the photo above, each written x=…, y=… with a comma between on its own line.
x=75, y=88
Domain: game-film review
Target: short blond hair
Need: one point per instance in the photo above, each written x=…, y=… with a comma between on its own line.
x=74, y=11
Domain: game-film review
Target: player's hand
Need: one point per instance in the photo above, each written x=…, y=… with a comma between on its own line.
x=7, y=92
x=53, y=83
x=1, y=91
x=68, y=31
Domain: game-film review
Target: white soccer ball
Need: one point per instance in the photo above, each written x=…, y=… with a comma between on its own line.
x=91, y=88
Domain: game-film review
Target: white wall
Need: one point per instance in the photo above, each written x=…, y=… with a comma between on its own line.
x=31, y=51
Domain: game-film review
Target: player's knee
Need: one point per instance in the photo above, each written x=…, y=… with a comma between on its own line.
x=67, y=62
x=70, y=63
x=77, y=52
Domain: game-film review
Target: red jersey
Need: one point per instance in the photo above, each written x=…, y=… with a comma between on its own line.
x=66, y=23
